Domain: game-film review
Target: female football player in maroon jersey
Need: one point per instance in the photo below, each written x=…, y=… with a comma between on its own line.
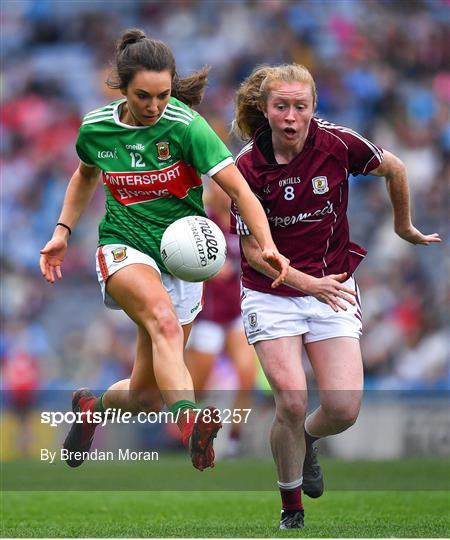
x=154, y=117
x=298, y=166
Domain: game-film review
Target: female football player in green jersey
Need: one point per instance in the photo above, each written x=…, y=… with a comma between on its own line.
x=151, y=149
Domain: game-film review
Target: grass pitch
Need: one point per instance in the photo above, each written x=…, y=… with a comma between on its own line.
x=221, y=514
x=210, y=514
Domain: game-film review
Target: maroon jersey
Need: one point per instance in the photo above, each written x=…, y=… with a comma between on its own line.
x=306, y=200
x=222, y=292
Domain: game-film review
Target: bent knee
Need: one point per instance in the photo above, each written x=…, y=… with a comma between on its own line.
x=291, y=409
x=164, y=323
x=343, y=415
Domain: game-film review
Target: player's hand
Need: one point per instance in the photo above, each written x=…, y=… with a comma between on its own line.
x=330, y=290
x=277, y=261
x=52, y=256
x=414, y=236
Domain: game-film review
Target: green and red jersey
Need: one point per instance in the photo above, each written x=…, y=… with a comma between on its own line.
x=151, y=174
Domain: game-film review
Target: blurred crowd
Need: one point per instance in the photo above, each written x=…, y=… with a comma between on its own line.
x=382, y=67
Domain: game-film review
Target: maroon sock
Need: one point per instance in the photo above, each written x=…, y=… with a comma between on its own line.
x=291, y=499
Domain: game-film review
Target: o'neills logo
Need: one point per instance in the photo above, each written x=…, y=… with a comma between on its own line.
x=138, y=146
x=204, y=238
x=211, y=243
x=198, y=242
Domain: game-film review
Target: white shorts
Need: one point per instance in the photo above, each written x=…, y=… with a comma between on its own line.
x=186, y=297
x=266, y=316
x=209, y=337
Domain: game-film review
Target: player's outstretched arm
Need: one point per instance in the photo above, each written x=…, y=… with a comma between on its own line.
x=394, y=170
x=79, y=193
x=236, y=187
x=329, y=289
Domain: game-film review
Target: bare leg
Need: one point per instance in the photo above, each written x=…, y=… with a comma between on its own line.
x=200, y=365
x=138, y=290
x=159, y=373
x=338, y=368
x=144, y=394
x=281, y=362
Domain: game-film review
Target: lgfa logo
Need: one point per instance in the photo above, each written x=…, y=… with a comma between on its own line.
x=104, y=154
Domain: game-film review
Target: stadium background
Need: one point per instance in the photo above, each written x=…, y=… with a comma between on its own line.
x=381, y=68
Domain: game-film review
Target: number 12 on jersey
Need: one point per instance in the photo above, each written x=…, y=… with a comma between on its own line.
x=136, y=159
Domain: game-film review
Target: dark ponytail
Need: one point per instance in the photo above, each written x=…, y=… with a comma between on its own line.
x=190, y=89
x=131, y=36
x=136, y=52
